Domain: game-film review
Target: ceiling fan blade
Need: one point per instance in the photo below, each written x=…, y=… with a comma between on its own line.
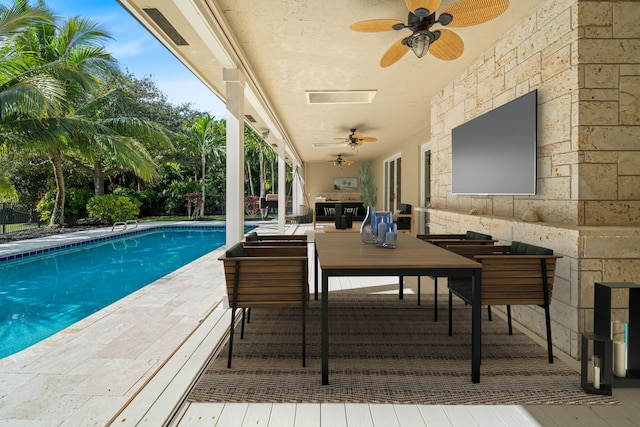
x=449, y=46
x=328, y=144
x=362, y=138
x=375, y=25
x=394, y=53
x=472, y=12
x=430, y=5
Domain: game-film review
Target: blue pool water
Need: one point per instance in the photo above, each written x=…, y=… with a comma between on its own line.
x=43, y=294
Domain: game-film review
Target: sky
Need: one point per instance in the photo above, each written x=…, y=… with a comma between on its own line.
x=141, y=54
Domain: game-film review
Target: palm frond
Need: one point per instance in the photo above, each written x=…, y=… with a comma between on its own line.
x=131, y=154
x=139, y=129
x=15, y=18
x=93, y=60
x=31, y=96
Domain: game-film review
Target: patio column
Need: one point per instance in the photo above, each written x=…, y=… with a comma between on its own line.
x=296, y=191
x=282, y=187
x=234, y=87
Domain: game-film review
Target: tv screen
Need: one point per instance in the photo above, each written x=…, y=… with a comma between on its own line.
x=495, y=153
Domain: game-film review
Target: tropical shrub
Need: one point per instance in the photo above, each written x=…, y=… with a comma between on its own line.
x=75, y=204
x=194, y=203
x=128, y=192
x=149, y=201
x=176, y=193
x=251, y=205
x=152, y=203
x=112, y=208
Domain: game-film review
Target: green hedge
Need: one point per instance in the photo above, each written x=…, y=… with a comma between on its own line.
x=112, y=208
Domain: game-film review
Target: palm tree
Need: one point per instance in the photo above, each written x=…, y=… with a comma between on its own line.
x=251, y=149
x=71, y=54
x=203, y=136
x=21, y=92
x=24, y=89
x=119, y=143
x=255, y=145
x=271, y=156
x=115, y=147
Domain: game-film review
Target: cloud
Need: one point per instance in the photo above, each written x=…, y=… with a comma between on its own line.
x=129, y=49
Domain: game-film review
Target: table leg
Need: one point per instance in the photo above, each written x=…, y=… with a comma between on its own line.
x=317, y=268
x=325, y=329
x=401, y=287
x=476, y=325
x=435, y=299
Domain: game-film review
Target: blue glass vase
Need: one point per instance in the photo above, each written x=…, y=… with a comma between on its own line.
x=380, y=217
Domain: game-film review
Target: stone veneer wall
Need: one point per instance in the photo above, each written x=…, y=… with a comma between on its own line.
x=583, y=57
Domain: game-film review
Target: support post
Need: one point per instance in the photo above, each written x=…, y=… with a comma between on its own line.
x=235, y=156
x=282, y=187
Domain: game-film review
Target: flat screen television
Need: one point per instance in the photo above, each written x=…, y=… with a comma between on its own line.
x=495, y=153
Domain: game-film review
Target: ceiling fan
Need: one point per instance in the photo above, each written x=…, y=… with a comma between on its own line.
x=339, y=161
x=353, y=141
x=443, y=44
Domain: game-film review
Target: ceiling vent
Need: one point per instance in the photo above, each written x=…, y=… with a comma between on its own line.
x=250, y=118
x=340, y=96
x=166, y=26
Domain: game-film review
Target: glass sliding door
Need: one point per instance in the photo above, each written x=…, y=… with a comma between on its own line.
x=392, y=183
x=425, y=183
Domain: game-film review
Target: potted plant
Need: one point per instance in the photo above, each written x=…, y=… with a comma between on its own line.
x=368, y=194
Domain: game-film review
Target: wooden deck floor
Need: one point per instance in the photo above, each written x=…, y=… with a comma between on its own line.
x=372, y=415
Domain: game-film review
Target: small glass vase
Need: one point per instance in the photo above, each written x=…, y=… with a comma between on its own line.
x=366, y=229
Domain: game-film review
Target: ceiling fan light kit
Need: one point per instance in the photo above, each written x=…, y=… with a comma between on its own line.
x=419, y=42
x=443, y=44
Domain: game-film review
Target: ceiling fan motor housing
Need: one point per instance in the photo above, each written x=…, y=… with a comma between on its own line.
x=417, y=23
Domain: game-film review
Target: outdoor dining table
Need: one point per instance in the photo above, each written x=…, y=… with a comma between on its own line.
x=344, y=254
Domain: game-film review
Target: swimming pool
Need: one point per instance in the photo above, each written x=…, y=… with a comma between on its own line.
x=43, y=293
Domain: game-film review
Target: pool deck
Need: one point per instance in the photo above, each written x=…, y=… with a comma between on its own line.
x=86, y=373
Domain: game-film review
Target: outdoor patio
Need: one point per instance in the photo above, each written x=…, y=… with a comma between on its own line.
x=133, y=362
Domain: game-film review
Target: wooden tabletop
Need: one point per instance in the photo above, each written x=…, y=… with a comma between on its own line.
x=346, y=250
x=333, y=229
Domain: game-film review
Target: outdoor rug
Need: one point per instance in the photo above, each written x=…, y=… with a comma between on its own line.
x=385, y=350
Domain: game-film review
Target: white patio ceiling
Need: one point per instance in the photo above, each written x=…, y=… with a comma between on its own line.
x=286, y=48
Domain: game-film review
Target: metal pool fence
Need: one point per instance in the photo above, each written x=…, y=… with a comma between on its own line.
x=16, y=217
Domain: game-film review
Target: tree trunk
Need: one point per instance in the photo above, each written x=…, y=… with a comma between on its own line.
x=98, y=178
x=251, y=192
x=262, y=190
x=273, y=179
x=57, y=216
x=204, y=165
